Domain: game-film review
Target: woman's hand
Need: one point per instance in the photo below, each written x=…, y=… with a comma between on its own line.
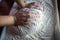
x=22, y=17
x=31, y=4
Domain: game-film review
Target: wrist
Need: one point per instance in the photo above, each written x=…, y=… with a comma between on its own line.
x=15, y=20
x=12, y=18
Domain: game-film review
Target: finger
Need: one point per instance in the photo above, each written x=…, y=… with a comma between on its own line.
x=32, y=3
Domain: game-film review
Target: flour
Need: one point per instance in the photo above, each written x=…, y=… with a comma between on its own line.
x=40, y=26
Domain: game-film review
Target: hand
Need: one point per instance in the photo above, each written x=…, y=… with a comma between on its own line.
x=35, y=5
x=22, y=17
x=31, y=4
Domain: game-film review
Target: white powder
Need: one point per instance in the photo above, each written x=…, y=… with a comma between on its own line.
x=40, y=26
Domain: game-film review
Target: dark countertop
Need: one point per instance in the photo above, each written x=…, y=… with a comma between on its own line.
x=59, y=6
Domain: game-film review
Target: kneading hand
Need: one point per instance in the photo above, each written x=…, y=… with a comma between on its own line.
x=22, y=17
